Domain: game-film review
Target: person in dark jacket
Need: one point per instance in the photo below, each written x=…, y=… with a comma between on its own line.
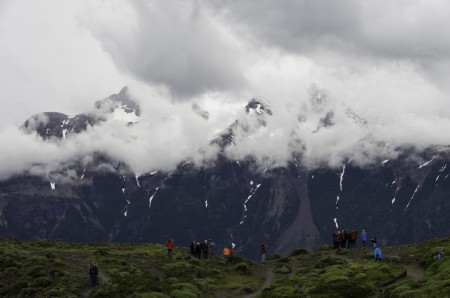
x=93, y=274
x=374, y=242
x=193, y=248
x=204, y=248
x=263, y=250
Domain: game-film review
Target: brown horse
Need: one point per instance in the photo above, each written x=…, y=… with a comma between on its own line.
x=352, y=237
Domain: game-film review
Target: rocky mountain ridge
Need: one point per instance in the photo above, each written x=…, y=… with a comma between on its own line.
x=400, y=200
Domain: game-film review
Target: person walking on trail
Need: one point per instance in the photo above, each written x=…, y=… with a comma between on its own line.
x=378, y=254
x=263, y=250
x=170, y=247
x=93, y=274
x=364, y=237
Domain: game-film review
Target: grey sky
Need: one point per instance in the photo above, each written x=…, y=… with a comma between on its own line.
x=388, y=63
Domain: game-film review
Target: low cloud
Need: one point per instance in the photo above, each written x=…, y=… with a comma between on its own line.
x=384, y=71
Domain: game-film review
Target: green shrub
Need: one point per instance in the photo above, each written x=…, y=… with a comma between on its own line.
x=37, y=271
x=178, y=269
x=242, y=268
x=182, y=294
x=299, y=252
x=328, y=261
x=248, y=290
x=342, y=251
x=276, y=256
x=152, y=295
x=283, y=269
x=41, y=282
x=28, y=292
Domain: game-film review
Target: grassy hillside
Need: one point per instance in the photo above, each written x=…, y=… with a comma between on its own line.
x=60, y=269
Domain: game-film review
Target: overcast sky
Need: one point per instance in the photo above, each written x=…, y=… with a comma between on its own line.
x=387, y=62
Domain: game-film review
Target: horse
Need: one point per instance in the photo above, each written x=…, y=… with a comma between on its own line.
x=352, y=236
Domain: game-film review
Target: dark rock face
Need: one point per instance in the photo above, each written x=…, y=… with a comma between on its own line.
x=397, y=201
x=286, y=208
x=57, y=125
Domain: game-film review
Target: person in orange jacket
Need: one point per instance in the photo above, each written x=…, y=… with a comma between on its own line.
x=226, y=252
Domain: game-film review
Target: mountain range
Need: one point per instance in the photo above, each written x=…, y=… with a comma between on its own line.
x=233, y=202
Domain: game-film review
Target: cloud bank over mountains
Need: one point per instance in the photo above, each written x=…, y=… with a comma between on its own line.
x=383, y=71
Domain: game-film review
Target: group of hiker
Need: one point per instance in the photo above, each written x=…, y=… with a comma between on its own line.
x=344, y=239
x=204, y=249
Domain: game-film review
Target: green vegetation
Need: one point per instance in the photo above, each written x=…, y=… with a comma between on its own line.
x=60, y=269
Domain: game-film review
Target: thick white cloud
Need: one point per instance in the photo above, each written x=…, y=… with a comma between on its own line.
x=389, y=64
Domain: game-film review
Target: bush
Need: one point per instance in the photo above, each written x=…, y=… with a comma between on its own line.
x=276, y=256
x=242, y=268
x=37, y=271
x=182, y=294
x=152, y=295
x=178, y=269
x=328, y=261
x=299, y=252
x=283, y=270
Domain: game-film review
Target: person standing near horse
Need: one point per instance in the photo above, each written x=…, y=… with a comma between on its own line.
x=364, y=237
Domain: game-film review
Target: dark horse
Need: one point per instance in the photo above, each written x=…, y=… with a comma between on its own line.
x=352, y=237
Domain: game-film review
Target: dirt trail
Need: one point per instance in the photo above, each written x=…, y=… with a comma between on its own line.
x=269, y=276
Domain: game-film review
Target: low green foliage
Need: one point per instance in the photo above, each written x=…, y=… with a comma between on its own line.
x=59, y=269
x=299, y=252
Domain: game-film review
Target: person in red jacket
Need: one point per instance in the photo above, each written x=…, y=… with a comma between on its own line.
x=170, y=247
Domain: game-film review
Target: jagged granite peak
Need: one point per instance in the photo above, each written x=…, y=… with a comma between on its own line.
x=57, y=125
x=259, y=106
x=122, y=100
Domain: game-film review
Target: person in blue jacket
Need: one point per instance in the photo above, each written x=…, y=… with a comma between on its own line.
x=364, y=237
x=378, y=254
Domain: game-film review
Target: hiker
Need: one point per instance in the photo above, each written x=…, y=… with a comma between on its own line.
x=93, y=274
x=212, y=248
x=378, y=254
x=170, y=247
x=193, y=249
x=364, y=237
x=198, y=250
x=205, y=249
x=263, y=249
x=374, y=241
x=226, y=252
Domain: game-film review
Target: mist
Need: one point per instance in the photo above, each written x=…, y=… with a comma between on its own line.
x=385, y=79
